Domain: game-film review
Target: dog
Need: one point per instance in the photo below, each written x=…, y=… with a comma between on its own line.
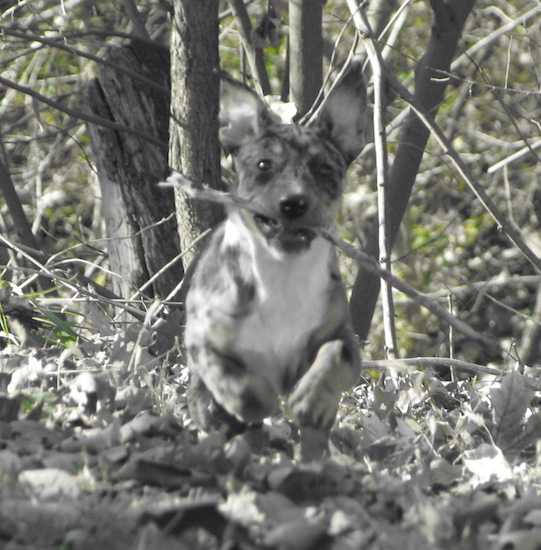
x=267, y=313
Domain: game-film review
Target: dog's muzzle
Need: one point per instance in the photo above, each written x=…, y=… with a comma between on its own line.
x=285, y=235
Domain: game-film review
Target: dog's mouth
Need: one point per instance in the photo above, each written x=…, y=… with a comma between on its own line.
x=286, y=236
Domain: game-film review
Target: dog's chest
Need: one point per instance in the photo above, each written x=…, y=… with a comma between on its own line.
x=289, y=305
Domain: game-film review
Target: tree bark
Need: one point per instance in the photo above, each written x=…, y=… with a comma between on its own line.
x=194, y=148
x=305, y=52
x=449, y=20
x=129, y=167
x=255, y=56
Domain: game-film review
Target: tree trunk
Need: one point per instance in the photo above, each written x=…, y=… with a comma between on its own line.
x=129, y=167
x=305, y=52
x=449, y=20
x=194, y=148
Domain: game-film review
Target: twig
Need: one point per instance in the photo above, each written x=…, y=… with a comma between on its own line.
x=380, y=141
x=493, y=36
x=43, y=271
x=439, y=51
x=136, y=20
x=514, y=156
x=370, y=264
x=185, y=185
x=100, y=121
x=81, y=53
x=255, y=55
x=428, y=120
x=24, y=229
x=533, y=383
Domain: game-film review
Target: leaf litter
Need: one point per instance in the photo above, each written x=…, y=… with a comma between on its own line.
x=97, y=450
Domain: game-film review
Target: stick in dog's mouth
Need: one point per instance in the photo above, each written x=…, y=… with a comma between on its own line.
x=288, y=236
x=274, y=228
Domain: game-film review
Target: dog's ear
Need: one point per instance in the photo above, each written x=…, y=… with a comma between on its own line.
x=343, y=114
x=242, y=114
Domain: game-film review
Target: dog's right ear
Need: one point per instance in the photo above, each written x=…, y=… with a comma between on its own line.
x=242, y=114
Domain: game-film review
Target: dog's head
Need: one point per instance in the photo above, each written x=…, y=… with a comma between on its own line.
x=292, y=173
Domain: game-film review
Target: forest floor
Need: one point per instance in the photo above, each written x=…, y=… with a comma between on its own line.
x=97, y=451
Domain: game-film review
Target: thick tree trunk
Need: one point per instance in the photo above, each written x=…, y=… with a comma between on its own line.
x=194, y=148
x=129, y=168
x=305, y=52
x=449, y=20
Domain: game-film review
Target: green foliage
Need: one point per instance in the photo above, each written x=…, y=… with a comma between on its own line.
x=422, y=457
x=41, y=402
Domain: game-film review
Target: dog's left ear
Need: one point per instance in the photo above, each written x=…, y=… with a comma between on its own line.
x=242, y=114
x=343, y=114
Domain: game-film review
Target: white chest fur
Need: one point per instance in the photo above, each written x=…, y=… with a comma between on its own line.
x=290, y=303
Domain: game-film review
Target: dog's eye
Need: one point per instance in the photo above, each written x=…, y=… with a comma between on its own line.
x=264, y=165
x=326, y=170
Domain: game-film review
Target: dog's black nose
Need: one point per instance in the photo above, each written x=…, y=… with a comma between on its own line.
x=294, y=206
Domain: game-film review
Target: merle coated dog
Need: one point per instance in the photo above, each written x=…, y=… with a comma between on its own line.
x=267, y=314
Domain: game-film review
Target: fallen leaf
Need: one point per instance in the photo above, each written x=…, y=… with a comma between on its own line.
x=510, y=402
x=93, y=441
x=49, y=484
x=148, y=424
x=520, y=540
x=161, y=474
x=443, y=473
x=299, y=534
x=487, y=463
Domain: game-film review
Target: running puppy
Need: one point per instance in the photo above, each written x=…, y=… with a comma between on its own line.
x=267, y=313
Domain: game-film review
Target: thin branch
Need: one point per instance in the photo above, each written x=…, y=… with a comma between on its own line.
x=406, y=364
x=80, y=53
x=370, y=264
x=493, y=36
x=482, y=286
x=513, y=157
x=429, y=91
x=255, y=55
x=428, y=120
x=100, y=121
x=186, y=186
x=227, y=13
x=382, y=172
x=43, y=271
x=136, y=20
x=20, y=221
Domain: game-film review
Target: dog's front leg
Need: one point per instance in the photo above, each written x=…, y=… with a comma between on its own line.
x=315, y=399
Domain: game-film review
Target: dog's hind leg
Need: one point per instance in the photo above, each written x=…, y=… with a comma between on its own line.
x=206, y=413
x=222, y=389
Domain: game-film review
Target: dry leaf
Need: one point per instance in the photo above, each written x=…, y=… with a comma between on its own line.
x=49, y=484
x=509, y=402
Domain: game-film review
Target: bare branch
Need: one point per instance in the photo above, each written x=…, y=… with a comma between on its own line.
x=75, y=51
x=135, y=17
x=255, y=55
x=59, y=278
x=429, y=92
x=508, y=228
x=370, y=265
x=186, y=186
x=7, y=189
x=380, y=141
x=100, y=121
x=493, y=36
x=406, y=364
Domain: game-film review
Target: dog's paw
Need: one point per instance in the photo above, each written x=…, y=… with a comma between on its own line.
x=314, y=400
x=311, y=405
